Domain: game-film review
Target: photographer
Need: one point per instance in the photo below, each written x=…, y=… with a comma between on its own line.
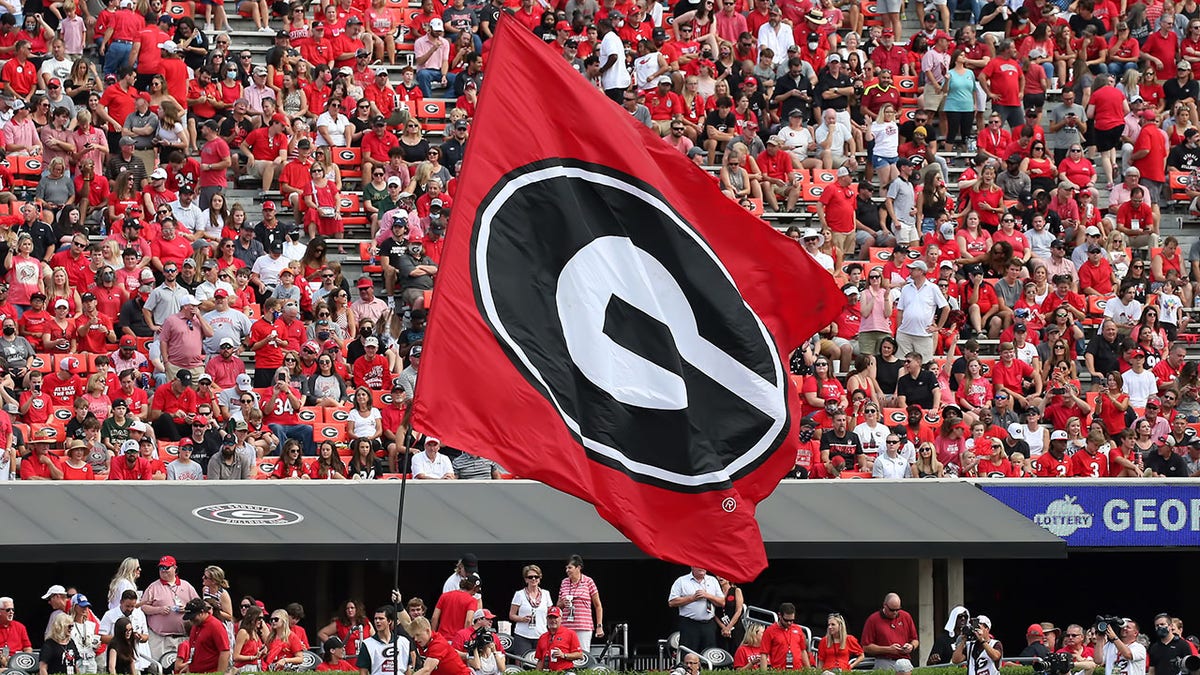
x=1075, y=645
x=1166, y=652
x=978, y=648
x=480, y=646
x=1121, y=652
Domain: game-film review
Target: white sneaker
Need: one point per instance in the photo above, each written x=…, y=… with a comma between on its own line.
x=209, y=28
x=266, y=29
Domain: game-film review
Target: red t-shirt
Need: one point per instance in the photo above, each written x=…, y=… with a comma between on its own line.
x=208, y=640
x=39, y=409
x=1004, y=79
x=377, y=148
x=449, y=662
x=1109, y=105
x=213, y=152
x=882, y=631
x=455, y=605
x=263, y=145
x=119, y=469
x=268, y=355
x=62, y=390
x=1010, y=376
x=119, y=102
x=32, y=467
x=1046, y=466
x=169, y=403
x=1097, y=277
x=839, y=207
x=21, y=76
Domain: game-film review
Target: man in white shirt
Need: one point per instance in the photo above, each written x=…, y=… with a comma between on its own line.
x=923, y=311
x=777, y=35
x=813, y=240
x=431, y=464
x=267, y=268
x=141, y=632
x=890, y=464
x=1122, y=655
x=614, y=76
x=1138, y=382
x=695, y=595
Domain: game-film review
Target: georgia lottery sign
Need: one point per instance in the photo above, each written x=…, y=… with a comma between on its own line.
x=1102, y=516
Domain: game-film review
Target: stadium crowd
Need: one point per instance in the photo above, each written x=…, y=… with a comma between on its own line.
x=1011, y=181
x=171, y=626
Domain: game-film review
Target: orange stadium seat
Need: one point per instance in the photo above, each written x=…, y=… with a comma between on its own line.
x=349, y=162
x=333, y=415
x=42, y=363
x=330, y=431
x=907, y=85
x=310, y=414
x=352, y=209
x=1179, y=182
x=433, y=115
x=871, y=14
x=178, y=10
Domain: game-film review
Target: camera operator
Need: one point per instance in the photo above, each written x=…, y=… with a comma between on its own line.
x=479, y=645
x=1123, y=654
x=978, y=648
x=1165, y=652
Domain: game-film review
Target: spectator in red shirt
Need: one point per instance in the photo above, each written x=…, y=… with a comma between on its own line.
x=377, y=144
x=558, y=647
x=267, y=146
x=779, y=176
x=1009, y=374
x=1096, y=275
x=13, y=635
x=335, y=658
x=174, y=407
x=783, y=642
x=439, y=657
x=890, y=636
x=1090, y=462
x=131, y=465
x=1003, y=81
x=208, y=639
x=41, y=465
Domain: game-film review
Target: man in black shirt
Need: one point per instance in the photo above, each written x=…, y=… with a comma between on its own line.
x=720, y=126
x=1165, y=652
x=834, y=89
x=840, y=441
x=793, y=91
x=454, y=149
x=1103, y=354
x=1163, y=462
x=44, y=244
x=871, y=232
x=917, y=386
x=1186, y=155
x=1182, y=87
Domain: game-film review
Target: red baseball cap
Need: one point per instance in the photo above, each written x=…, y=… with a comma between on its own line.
x=562, y=25
x=365, y=283
x=554, y=611
x=268, y=206
x=128, y=341
x=1035, y=629
x=166, y=561
x=220, y=293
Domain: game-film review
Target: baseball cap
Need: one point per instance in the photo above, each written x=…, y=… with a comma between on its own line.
x=243, y=381
x=843, y=171
x=554, y=611
x=127, y=341
x=184, y=376
x=984, y=620
x=332, y=644
x=436, y=25
x=482, y=614
x=80, y=600
x=168, y=561
x=371, y=342
x=1057, y=435
x=228, y=342
x=56, y=589
x=158, y=174
x=193, y=607
x=365, y=283
x=918, y=265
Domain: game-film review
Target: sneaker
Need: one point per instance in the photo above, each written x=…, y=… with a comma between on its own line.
x=209, y=28
x=266, y=29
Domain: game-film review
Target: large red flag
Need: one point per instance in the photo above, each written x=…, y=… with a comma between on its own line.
x=608, y=323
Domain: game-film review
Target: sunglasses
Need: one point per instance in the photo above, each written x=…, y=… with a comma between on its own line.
x=533, y=576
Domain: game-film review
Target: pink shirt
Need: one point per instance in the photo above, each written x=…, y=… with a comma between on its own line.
x=71, y=29
x=225, y=371
x=876, y=321
x=183, y=346
x=438, y=58
x=159, y=594
x=23, y=133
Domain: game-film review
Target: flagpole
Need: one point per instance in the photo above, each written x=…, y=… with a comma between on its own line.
x=404, y=469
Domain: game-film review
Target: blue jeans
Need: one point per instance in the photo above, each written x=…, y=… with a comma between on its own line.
x=425, y=76
x=116, y=56
x=302, y=433
x=1118, y=69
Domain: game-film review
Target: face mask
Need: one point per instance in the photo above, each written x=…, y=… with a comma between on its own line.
x=812, y=45
x=1163, y=631
x=276, y=314
x=9, y=331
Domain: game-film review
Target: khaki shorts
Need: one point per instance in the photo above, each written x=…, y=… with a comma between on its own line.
x=258, y=166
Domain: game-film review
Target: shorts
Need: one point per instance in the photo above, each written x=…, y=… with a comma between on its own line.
x=980, y=97
x=1109, y=139
x=889, y=6
x=879, y=162
x=256, y=167
x=906, y=233
x=931, y=98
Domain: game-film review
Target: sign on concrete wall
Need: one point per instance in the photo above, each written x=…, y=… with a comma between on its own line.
x=1116, y=515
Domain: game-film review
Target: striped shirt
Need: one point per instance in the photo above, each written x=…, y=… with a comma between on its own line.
x=578, y=594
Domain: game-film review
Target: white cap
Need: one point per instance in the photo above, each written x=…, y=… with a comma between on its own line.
x=56, y=589
x=1058, y=435
x=432, y=439
x=169, y=47
x=1016, y=430
x=139, y=425
x=159, y=173
x=190, y=299
x=436, y=24
x=127, y=446
x=244, y=382
x=984, y=620
x=1093, y=231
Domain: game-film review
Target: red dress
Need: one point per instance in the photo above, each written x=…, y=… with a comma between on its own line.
x=324, y=196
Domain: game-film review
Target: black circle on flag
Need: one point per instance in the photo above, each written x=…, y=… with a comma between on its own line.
x=617, y=310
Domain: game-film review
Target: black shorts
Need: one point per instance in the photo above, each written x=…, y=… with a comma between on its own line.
x=1109, y=139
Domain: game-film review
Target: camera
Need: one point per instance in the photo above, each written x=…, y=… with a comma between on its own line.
x=1058, y=663
x=1189, y=665
x=1103, y=622
x=480, y=639
x=970, y=630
